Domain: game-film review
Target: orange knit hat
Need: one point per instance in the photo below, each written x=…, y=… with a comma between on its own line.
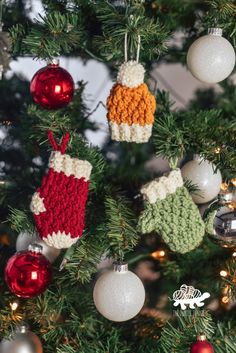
x=131, y=106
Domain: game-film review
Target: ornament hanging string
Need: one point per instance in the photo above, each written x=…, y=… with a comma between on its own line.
x=65, y=139
x=126, y=47
x=4, y=50
x=1, y=14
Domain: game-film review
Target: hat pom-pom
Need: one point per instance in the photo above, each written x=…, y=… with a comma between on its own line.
x=131, y=74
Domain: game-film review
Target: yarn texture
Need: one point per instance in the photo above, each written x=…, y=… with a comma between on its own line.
x=131, y=74
x=159, y=188
x=171, y=212
x=131, y=106
x=59, y=204
x=209, y=222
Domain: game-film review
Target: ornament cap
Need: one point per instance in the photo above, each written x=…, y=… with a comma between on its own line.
x=35, y=248
x=198, y=158
x=22, y=328
x=201, y=337
x=54, y=62
x=215, y=31
x=120, y=267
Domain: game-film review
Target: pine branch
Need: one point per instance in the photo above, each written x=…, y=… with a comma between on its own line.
x=50, y=36
x=219, y=145
x=18, y=32
x=192, y=188
x=230, y=279
x=134, y=21
x=224, y=340
x=189, y=325
x=72, y=118
x=83, y=262
x=180, y=269
x=222, y=14
x=168, y=139
x=21, y=221
x=121, y=226
x=221, y=9
x=178, y=133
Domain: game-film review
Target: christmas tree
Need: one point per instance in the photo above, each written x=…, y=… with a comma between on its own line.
x=82, y=207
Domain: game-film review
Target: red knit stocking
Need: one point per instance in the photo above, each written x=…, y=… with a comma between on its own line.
x=59, y=204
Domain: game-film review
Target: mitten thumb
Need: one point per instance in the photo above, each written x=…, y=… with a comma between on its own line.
x=147, y=221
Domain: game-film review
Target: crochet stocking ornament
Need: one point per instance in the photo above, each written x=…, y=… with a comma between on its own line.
x=59, y=204
x=171, y=212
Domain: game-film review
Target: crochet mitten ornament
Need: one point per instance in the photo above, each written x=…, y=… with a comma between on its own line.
x=59, y=204
x=130, y=105
x=171, y=212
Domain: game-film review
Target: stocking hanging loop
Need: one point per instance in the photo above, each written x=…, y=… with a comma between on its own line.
x=52, y=141
x=64, y=142
x=65, y=139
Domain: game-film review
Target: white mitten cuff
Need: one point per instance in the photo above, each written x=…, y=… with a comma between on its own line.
x=159, y=188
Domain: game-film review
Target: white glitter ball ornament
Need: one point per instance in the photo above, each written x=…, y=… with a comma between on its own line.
x=211, y=58
x=201, y=173
x=119, y=294
x=131, y=74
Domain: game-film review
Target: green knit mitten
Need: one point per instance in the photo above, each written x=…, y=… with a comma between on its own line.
x=170, y=211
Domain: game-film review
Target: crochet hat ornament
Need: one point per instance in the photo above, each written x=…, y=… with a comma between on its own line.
x=59, y=203
x=171, y=212
x=130, y=105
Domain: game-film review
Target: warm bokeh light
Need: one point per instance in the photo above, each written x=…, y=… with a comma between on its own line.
x=233, y=181
x=234, y=254
x=231, y=205
x=225, y=299
x=223, y=273
x=226, y=290
x=217, y=150
x=159, y=254
x=14, y=306
x=224, y=186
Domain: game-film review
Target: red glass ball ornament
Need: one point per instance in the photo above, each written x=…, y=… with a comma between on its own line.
x=52, y=87
x=28, y=272
x=201, y=346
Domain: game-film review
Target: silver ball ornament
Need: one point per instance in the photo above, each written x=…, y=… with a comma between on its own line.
x=22, y=341
x=221, y=223
x=119, y=294
x=24, y=239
